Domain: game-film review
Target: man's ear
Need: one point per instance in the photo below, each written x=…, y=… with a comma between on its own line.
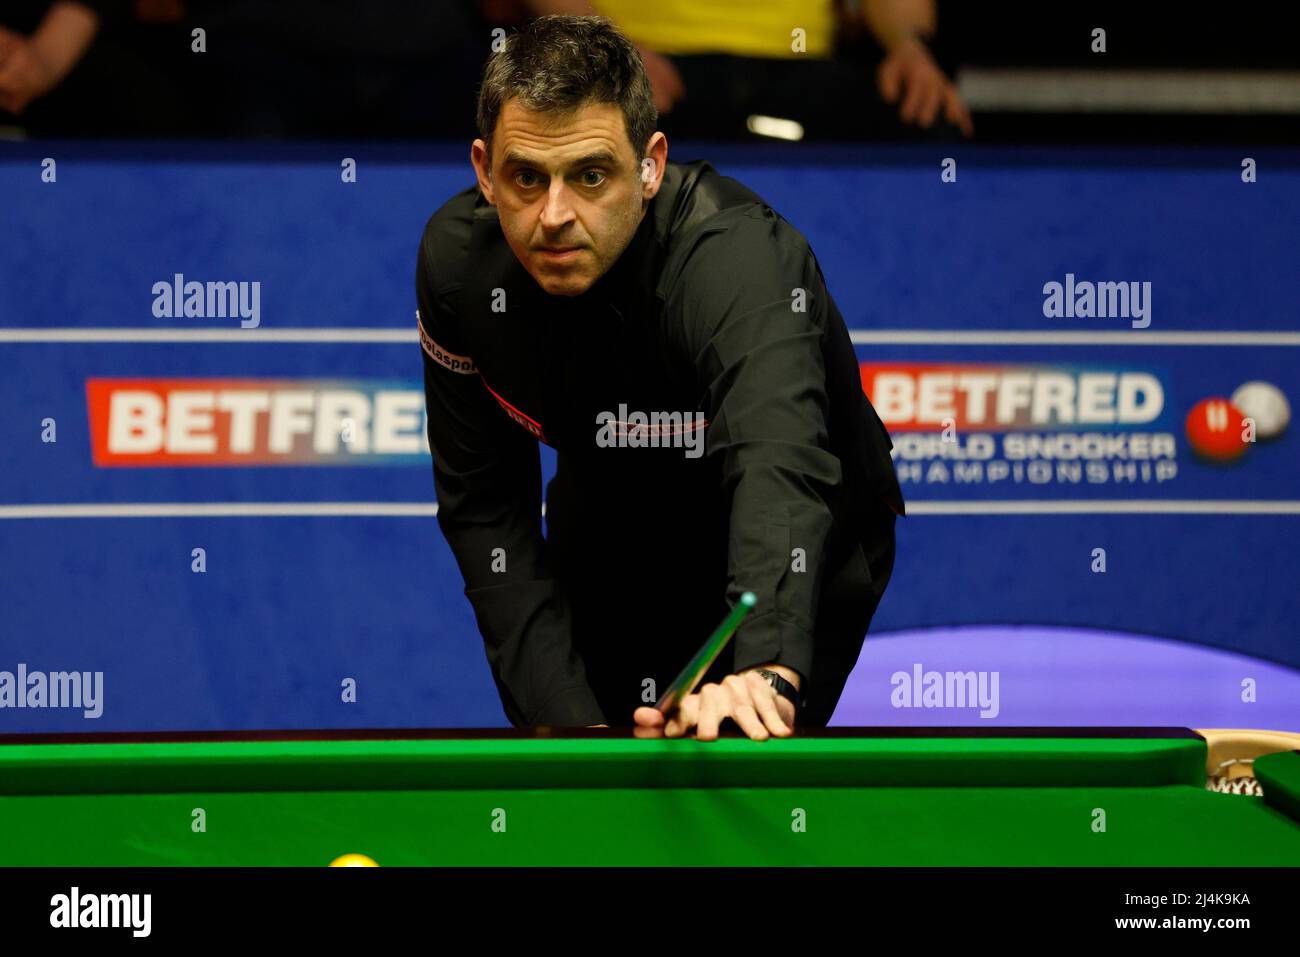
x=482, y=162
x=653, y=166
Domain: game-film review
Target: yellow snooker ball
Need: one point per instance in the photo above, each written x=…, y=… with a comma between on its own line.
x=353, y=860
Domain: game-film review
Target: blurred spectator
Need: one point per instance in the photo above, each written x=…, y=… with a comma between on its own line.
x=31, y=66
x=80, y=68
x=862, y=72
x=291, y=68
x=410, y=68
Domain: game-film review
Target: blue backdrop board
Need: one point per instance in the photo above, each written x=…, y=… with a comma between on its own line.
x=1063, y=528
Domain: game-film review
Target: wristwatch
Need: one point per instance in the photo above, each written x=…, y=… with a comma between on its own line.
x=782, y=687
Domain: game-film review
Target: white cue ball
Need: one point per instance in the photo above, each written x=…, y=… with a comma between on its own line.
x=1265, y=403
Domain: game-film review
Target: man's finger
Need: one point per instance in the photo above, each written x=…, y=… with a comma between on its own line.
x=888, y=82
x=744, y=715
x=930, y=109
x=742, y=705
x=648, y=723
x=648, y=717
x=765, y=703
x=911, y=101
x=683, y=718
x=713, y=708
x=957, y=113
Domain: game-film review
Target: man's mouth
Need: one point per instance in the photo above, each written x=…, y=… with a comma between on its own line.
x=560, y=253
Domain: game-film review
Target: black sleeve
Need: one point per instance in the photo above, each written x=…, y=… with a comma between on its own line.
x=487, y=476
x=757, y=351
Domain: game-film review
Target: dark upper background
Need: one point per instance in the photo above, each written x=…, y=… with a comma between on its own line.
x=408, y=69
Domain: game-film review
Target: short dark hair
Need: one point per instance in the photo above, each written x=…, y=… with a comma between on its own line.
x=557, y=64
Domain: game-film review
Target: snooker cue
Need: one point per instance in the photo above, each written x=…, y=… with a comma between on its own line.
x=686, y=681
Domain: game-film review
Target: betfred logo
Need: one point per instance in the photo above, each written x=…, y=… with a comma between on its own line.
x=183, y=422
x=928, y=397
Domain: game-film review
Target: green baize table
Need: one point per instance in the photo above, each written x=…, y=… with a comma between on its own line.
x=894, y=797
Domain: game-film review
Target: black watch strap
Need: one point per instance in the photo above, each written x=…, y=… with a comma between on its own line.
x=782, y=687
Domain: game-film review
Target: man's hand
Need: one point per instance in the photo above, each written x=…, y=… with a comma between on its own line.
x=665, y=80
x=32, y=66
x=24, y=74
x=909, y=71
x=745, y=698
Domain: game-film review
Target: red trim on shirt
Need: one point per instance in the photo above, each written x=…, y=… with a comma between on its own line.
x=533, y=427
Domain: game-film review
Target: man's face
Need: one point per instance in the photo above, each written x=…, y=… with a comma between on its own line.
x=568, y=190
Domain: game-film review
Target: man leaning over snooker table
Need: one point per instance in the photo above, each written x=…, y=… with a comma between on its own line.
x=672, y=338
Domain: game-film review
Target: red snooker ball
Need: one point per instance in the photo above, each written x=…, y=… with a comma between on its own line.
x=1214, y=429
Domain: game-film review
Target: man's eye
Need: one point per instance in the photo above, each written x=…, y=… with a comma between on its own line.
x=526, y=179
x=592, y=177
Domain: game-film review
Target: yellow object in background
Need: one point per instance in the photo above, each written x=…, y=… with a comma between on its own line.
x=739, y=27
x=353, y=860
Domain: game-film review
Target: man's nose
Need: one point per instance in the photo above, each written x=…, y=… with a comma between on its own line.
x=558, y=210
